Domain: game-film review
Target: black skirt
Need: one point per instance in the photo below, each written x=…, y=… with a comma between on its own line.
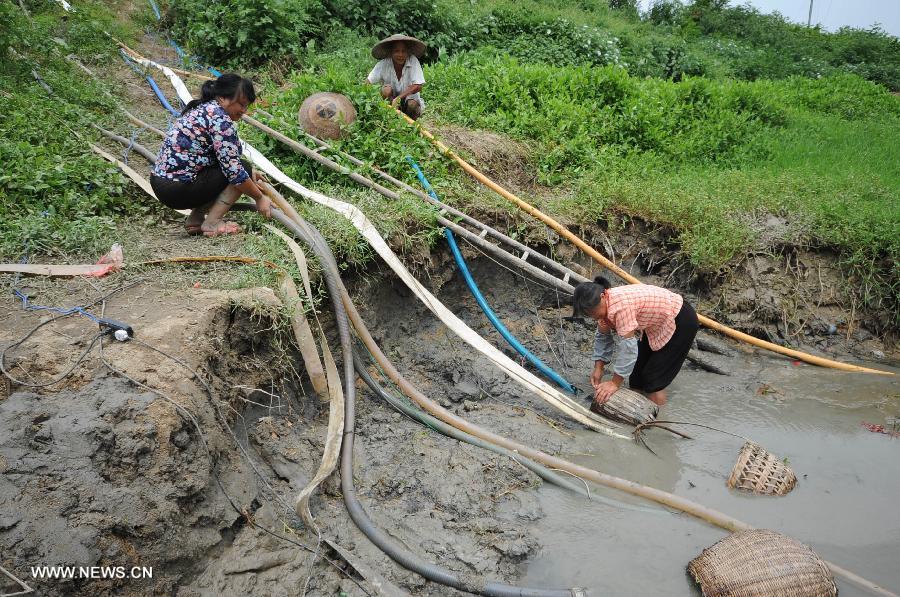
x=654, y=370
x=203, y=190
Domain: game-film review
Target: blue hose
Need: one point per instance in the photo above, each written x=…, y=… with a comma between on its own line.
x=159, y=94
x=178, y=50
x=479, y=298
x=181, y=53
x=155, y=10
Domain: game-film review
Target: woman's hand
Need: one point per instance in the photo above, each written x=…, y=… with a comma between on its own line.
x=605, y=391
x=395, y=103
x=264, y=206
x=259, y=176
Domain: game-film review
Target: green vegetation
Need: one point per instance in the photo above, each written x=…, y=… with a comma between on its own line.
x=56, y=196
x=738, y=132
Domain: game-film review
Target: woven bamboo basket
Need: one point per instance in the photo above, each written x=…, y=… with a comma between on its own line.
x=628, y=406
x=759, y=563
x=760, y=472
x=325, y=114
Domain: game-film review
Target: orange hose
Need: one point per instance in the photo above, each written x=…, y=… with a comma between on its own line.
x=596, y=256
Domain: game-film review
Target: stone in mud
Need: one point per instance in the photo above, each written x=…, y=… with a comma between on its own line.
x=466, y=388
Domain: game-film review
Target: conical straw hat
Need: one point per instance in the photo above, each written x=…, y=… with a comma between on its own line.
x=382, y=49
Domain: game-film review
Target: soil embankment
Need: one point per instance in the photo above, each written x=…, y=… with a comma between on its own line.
x=105, y=473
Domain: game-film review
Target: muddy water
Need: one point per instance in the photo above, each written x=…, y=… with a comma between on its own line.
x=844, y=505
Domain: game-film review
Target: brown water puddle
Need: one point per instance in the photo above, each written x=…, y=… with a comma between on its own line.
x=844, y=504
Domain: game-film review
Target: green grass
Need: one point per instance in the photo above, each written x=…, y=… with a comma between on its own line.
x=625, y=129
x=716, y=162
x=56, y=196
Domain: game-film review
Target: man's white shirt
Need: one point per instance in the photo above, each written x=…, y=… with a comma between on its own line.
x=384, y=74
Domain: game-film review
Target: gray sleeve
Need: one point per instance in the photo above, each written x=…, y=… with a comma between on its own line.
x=603, y=346
x=627, y=356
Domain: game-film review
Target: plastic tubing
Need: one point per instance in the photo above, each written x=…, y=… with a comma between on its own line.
x=479, y=298
x=471, y=584
x=498, y=325
x=596, y=256
x=159, y=94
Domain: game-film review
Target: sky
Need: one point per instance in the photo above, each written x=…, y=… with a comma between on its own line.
x=831, y=14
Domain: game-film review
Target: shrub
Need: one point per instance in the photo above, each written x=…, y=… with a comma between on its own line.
x=433, y=21
x=246, y=32
x=534, y=38
x=581, y=112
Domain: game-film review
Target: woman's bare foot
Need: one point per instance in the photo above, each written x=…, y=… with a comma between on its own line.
x=194, y=221
x=219, y=227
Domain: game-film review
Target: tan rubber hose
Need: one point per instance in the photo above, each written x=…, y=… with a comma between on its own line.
x=596, y=256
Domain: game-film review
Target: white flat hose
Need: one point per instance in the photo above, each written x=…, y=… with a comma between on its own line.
x=525, y=378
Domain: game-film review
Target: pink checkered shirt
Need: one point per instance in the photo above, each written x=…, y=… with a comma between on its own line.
x=643, y=307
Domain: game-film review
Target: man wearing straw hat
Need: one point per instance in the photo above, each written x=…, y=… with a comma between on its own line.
x=399, y=73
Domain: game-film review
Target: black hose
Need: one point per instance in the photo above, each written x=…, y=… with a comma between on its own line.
x=468, y=583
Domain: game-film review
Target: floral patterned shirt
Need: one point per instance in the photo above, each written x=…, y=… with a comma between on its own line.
x=203, y=137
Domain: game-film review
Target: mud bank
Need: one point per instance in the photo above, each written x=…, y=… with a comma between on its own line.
x=105, y=473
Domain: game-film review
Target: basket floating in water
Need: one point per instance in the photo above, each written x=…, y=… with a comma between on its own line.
x=759, y=563
x=760, y=472
x=628, y=406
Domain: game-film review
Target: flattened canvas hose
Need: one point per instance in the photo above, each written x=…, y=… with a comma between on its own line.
x=410, y=561
x=596, y=256
x=332, y=389
x=527, y=379
x=127, y=170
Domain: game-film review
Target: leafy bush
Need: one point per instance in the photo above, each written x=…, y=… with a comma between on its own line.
x=246, y=32
x=775, y=48
x=844, y=95
x=580, y=112
x=433, y=21
x=537, y=37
